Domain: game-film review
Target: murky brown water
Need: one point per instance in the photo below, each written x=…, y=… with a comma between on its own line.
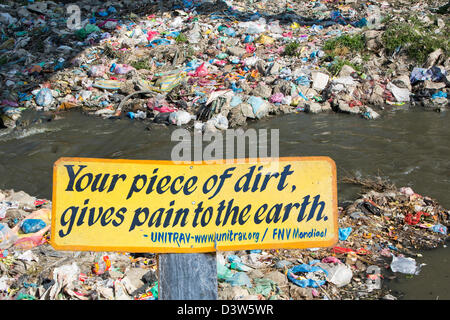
x=411, y=148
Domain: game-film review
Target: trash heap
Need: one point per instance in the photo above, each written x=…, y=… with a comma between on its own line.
x=378, y=238
x=379, y=235
x=215, y=65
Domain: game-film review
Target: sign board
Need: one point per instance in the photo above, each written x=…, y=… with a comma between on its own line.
x=160, y=206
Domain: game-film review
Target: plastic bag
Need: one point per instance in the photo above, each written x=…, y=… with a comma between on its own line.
x=235, y=101
x=239, y=279
x=7, y=19
x=302, y=281
x=201, y=71
x=66, y=275
x=277, y=97
x=219, y=121
x=7, y=236
x=340, y=275
x=87, y=30
x=320, y=80
x=107, y=84
x=102, y=265
x=194, y=35
x=30, y=242
x=405, y=265
x=400, y=94
x=439, y=228
x=180, y=117
x=263, y=39
x=5, y=206
x=170, y=80
x=274, y=27
x=32, y=225
x=252, y=27
x=344, y=233
x=121, y=68
x=260, y=108
x=239, y=266
x=229, y=32
x=44, y=97
x=264, y=286
x=223, y=273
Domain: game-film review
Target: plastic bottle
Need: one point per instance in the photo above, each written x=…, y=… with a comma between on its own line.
x=7, y=236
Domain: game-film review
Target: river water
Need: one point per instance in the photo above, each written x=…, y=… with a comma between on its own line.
x=409, y=147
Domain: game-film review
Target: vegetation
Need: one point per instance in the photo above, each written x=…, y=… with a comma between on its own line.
x=352, y=43
x=141, y=64
x=181, y=38
x=291, y=49
x=416, y=38
x=336, y=66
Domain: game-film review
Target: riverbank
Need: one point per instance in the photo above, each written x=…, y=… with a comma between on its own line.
x=379, y=235
x=221, y=65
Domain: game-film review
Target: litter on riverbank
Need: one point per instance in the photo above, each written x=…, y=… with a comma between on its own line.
x=379, y=234
x=215, y=65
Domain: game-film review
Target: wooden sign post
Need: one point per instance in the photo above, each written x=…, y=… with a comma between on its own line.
x=187, y=276
x=187, y=212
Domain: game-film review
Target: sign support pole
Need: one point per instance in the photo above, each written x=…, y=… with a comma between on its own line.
x=187, y=276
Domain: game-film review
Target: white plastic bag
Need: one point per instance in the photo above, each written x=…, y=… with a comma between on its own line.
x=194, y=35
x=7, y=236
x=340, y=275
x=401, y=95
x=180, y=117
x=405, y=265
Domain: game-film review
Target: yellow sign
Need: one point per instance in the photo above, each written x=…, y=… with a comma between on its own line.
x=159, y=206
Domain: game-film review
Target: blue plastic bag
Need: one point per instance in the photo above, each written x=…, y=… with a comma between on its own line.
x=439, y=94
x=306, y=282
x=439, y=228
x=235, y=101
x=230, y=32
x=257, y=106
x=249, y=39
x=303, y=81
x=233, y=258
x=344, y=233
x=33, y=225
x=239, y=279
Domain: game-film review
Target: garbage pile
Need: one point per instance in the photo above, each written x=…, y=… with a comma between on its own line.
x=32, y=270
x=215, y=65
x=378, y=236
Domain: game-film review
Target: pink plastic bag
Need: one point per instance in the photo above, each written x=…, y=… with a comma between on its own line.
x=97, y=71
x=201, y=71
x=164, y=109
x=151, y=34
x=123, y=69
x=331, y=259
x=250, y=48
x=276, y=98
